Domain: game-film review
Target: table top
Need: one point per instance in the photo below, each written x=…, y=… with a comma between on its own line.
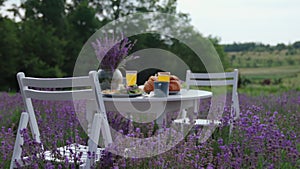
x=184, y=94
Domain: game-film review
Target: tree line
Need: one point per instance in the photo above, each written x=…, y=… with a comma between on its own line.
x=44, y=37
x=259, y=47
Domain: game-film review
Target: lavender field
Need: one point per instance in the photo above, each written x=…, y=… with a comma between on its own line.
x=265, y=136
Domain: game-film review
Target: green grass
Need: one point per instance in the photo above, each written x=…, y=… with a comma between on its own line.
x=256, y=90
x=287, y=76
x=278, y=70
x=263, y=59
x=281, y=69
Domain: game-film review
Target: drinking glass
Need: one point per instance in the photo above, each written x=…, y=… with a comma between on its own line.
x=161, y=87
x=163, y=76
x=131, y=77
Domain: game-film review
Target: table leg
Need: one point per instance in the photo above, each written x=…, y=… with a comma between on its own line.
x=182, y=115
x=161, y=122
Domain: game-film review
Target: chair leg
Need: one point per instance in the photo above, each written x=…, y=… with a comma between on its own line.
x=106, y=131
x=19, y=140
x=93, y=140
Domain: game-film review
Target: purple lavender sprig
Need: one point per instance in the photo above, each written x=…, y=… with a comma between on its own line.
x=112, y=51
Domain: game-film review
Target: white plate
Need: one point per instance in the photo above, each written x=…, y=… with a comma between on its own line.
x=122, y=95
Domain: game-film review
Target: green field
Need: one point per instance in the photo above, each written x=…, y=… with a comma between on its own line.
x=265, y=72
x=264, y=59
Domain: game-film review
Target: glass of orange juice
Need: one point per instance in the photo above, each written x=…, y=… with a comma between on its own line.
x=163, y=76
x=131, y=77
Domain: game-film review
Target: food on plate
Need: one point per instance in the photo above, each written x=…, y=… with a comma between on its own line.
x=174, y=84
x=149, y=85
x=173, y=77
x=129, y=90
x=108, y=91
x=134, y=90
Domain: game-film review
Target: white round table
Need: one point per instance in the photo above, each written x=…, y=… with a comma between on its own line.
x=158, y=106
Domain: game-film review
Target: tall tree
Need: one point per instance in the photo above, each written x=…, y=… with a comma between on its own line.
x=42, y=51
x=82, y=23
x=9, y=53
x=1, y=2
x=220, y=50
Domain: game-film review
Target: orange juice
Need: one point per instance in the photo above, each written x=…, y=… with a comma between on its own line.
x=163, y=76
x=131, y=78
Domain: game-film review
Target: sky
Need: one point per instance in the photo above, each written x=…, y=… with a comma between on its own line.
x=264, y=21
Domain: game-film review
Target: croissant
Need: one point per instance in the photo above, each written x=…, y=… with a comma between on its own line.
x=149, y=86
x=174, y=85
x=173, y=77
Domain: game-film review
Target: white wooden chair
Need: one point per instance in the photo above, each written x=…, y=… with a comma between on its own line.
x=212, y=79
x=87, y=88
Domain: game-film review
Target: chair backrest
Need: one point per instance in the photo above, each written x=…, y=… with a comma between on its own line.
x=212, y=79
x=217, y=79
x=74, y=88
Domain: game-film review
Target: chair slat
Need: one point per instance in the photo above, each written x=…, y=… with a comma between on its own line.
x=212, y=75
x=59, y=95
x=57, y=82
x=211, y=83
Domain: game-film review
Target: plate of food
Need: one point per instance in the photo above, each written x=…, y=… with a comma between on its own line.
x=132, y=91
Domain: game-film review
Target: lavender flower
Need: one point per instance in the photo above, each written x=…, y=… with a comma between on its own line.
x=265, y=136
x=112, y=51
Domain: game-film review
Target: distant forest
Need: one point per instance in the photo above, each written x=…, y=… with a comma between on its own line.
x=259, y=47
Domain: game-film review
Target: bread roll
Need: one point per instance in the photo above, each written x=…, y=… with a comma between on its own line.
x=174, y=85
x=149, y=86
x=173, y=77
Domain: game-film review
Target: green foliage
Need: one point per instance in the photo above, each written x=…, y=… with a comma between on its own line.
x=250, y=59
x=50, y=34
x=296, y=45
x=82, y=23
x=43, y=55
x=264, y=72
x=9, y=53
x=53, y=12
x=253, y=81
x=1, y=2
x=221, y=52
x=280, y=46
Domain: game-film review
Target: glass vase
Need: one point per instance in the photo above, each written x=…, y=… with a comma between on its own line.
x=110, y=80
